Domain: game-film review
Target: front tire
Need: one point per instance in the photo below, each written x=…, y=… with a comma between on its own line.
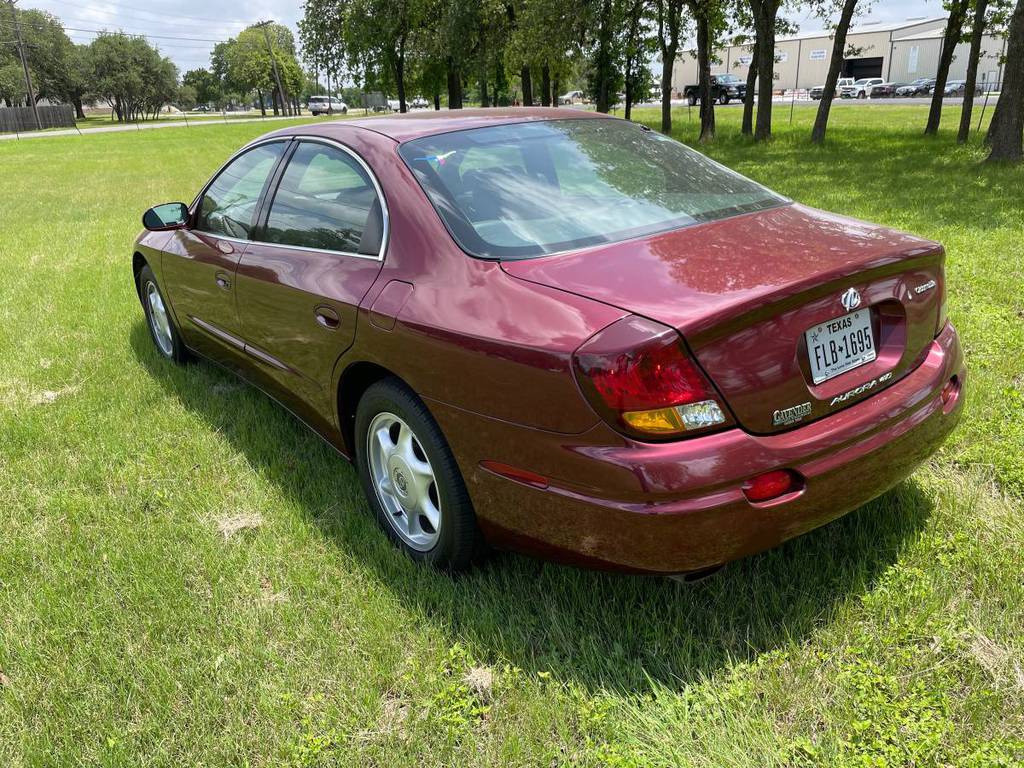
x=161, y=325
x=691, y=100
x=411, y=479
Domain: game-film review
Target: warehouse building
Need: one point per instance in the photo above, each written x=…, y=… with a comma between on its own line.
x=898, y=51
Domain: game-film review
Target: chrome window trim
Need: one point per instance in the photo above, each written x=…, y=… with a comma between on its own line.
x=385, y=215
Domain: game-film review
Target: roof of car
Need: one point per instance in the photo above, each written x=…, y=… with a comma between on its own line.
x=414, y=125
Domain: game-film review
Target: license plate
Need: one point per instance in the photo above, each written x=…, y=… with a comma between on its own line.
x=836, y=346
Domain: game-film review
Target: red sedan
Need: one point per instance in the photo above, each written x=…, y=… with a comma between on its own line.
x=561, y=333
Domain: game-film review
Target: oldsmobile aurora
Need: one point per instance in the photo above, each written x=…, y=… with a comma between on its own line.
x=561, y=333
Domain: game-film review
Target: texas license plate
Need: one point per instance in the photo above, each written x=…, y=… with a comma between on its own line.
x=836, y=346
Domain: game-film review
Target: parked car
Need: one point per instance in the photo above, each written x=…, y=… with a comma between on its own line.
x=572, y=97
x=326, y=105
x=724, y=88
x=419, y=103
x=918, y=87
x=818, y=91
x=203, y=108
x=957, y=88
x=860, y=88
x=656, y=377
x=394, y=105
x=883, y=91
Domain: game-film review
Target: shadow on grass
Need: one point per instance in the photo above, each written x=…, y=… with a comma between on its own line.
x=594, y=629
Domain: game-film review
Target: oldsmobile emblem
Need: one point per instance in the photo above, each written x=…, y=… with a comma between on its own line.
x=924, y=287
x=850, y=300
x=791, y=415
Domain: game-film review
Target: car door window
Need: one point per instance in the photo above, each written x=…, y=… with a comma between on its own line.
x=326, y=201
x=229, y=204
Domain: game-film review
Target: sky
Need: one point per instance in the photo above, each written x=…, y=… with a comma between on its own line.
x=186, y=32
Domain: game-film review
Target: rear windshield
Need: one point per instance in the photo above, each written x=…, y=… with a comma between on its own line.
x=528, y=189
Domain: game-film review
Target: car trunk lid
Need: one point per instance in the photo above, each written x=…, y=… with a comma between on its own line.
x=744, y=291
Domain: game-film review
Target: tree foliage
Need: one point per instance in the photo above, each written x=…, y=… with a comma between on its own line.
x=131, y=76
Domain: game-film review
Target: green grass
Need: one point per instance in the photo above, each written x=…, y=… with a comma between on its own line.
x=134, y=631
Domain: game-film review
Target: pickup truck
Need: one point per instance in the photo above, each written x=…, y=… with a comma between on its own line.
x=724, y=88
x=819, y=90
x=861, y=89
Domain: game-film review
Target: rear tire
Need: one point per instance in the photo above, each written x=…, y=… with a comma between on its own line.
x=159, y=319
x=691, y=100
x=411, y=479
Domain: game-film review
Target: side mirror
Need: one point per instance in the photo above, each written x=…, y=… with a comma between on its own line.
x=161, y=218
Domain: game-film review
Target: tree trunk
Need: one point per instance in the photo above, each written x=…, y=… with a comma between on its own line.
x=556, y=88
x=1006, y=133
x=437, y=99
x=79, y=112
x=765, y=12
x=454, y=84
x=263, y=105
x=628, y=114
x=400, y=75
x=834, y=68
x=954, y=28
x=604, y=59
x=707, y=103
x=545, y=86
x=667, y=59
x=524, y=75
x=748, y=97
x=977, y=33
x=483, y=91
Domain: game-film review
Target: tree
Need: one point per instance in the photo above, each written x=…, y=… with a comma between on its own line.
x=604, y=75
x=835, y=67
x=765, y=14
x=954, y=34
x=382, y=31
x=322, y=32
x=748, y=97
x=131, y=76
x=1006, y=134
x=670, y=22
x=208, y=89
x=12, y=83
x=709, y=16
x=977, y=33
x=186, y=99
x=79, y=80
x=247, y=63
x=639, y=46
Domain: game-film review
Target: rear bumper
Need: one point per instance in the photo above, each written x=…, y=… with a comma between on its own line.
x=605, y=501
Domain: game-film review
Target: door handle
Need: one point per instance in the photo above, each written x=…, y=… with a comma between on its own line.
x=327, y=317
x=222, y=281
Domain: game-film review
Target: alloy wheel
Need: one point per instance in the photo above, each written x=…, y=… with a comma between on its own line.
x=159, y=322
x=404, y=481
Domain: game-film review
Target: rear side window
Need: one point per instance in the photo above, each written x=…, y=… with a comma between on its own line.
x=229, y=204
x=325, y=201
x=527, y=189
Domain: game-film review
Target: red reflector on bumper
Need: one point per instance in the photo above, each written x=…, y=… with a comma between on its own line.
x=772, y=485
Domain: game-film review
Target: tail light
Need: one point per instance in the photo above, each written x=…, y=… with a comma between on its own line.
x=638, y=375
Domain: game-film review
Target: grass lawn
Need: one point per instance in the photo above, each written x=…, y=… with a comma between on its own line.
x=188, y=577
